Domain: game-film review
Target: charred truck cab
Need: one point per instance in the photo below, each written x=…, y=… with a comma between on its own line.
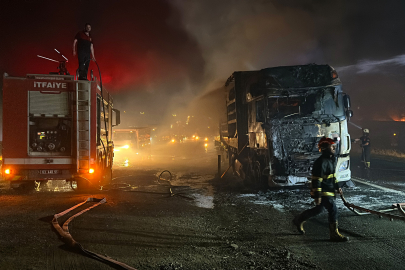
x=56, y=128
x=275, y=118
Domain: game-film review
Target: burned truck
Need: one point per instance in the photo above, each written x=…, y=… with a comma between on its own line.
x=275, y=118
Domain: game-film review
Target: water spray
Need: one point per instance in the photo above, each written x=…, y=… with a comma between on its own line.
x=355, y=125
x=368, y=66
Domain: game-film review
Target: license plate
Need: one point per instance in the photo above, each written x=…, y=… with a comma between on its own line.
x=49, y=171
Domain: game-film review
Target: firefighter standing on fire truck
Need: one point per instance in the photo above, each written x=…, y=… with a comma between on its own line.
x=324, y=185
x=85, y=51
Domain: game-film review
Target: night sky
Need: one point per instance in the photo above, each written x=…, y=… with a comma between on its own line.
x=159, y=56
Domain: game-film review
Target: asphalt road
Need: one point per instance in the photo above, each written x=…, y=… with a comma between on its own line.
x=199, y=222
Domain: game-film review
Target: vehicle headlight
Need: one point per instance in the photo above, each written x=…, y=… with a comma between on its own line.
x=344, y=166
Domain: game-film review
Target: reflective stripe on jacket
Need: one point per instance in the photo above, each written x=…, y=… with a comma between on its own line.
x=324, y=181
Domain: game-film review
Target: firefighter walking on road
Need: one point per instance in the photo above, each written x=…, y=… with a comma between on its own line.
x=365, y=144
x=324, y=186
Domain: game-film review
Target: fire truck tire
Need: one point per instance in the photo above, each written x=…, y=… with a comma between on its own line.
x=23, y=185
x=82, y=184
x=107, y=176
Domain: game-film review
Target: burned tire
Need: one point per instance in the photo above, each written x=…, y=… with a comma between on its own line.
x=232, y=161
x=255, y=177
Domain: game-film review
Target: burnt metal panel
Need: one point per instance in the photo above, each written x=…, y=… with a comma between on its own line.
x=299, y=76
x=243, y=80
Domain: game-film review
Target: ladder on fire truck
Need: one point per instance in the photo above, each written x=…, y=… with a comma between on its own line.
x=83, y=97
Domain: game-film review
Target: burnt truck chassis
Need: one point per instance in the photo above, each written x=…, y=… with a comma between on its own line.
x=280, y=151
x=255, y=165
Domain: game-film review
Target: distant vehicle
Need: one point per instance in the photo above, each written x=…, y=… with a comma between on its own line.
x=275, y=118
x=55, y=127
x=132, y=138
x=125, y=138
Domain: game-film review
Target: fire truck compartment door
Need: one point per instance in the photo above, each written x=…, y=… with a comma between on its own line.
x=50, y=104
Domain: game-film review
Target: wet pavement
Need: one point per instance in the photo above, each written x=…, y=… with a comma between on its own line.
x=188, y=200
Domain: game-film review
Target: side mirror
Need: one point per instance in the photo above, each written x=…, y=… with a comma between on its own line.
x=346, y=101
x=117, y=117
x=349, y=114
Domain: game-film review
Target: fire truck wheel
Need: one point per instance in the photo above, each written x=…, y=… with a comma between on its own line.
x=23, y=186
x=83, y=184
x=107, y=176
x=79, y=184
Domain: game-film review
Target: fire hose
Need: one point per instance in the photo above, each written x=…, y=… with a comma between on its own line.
x=160, y=181
x=364, y=211
x=68, y=239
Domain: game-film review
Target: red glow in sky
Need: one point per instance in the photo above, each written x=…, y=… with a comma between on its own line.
x=161, y=49
x=135, y=43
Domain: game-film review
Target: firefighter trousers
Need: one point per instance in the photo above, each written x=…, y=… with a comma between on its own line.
x=84, y=62
x=327, y=202
x=366, y=154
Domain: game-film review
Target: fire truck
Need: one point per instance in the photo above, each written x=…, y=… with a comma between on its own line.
x=275, y=118
x=57, y=128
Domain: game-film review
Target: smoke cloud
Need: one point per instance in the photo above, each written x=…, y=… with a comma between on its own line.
x=160, y=58
x=249, y=35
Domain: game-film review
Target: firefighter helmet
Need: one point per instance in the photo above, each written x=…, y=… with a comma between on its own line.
x=324, y=142
x=366, y=130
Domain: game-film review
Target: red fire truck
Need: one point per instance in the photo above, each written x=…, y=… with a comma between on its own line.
x=57, y=128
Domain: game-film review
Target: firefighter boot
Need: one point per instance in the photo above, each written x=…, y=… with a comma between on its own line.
x=368, y=165
x=299, y=223
x=335, y=235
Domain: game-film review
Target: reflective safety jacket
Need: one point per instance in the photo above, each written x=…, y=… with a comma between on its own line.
x=323, y=177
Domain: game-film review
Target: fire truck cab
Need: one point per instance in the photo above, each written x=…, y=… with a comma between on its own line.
x=57, y=128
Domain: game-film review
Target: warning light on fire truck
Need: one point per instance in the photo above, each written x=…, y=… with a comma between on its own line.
x=91, y=171
x=7, y=171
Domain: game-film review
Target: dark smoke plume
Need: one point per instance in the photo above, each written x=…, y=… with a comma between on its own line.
x=248, y=35
x=157, y=56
